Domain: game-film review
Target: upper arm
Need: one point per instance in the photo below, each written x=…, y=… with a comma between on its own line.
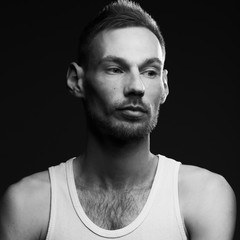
x=211, y=210
x=22, y=211
x=14, y=219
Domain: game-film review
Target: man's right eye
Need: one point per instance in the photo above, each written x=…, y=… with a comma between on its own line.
x=114, y=70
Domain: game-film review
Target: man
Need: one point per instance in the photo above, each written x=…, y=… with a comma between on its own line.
x=117, y=188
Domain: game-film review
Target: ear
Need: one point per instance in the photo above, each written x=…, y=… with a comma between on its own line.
x=75, y=78
x=165, y=85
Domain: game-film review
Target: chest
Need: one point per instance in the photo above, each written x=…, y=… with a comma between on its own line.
x=113, y=209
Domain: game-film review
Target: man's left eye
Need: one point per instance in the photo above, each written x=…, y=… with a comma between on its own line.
x=150, y=73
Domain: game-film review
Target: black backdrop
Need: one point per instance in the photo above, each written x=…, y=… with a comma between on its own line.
x=43, y=125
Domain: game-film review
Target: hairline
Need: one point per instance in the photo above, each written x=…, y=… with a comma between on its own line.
x=117, y=15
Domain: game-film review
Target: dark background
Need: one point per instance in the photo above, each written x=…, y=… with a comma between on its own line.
x=43, y=125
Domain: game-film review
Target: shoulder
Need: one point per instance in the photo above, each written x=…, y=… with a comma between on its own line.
x=25, y=208
x=207, y=202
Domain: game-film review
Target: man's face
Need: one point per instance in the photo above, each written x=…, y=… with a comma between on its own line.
x=125, y=82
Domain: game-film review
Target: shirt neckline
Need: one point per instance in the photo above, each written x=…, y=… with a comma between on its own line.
x=118, y=232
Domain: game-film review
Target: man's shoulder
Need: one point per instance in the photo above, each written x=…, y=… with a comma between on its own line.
x=26, y=205
x=30, y=190
x=200, y=181
x=192, y=175
x=206, y=199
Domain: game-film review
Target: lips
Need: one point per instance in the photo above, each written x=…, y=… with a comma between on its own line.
x=134, y=109
x=133, y=112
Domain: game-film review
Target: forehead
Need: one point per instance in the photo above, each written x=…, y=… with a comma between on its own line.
x=135, y=44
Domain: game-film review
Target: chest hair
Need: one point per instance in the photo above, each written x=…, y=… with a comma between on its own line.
x=112, y=209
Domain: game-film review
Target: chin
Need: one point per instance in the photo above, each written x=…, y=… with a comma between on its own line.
x=130, y=131
x=126, y=131
x=119, y=129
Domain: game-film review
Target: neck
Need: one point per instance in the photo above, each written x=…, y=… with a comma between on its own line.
x=111, y=163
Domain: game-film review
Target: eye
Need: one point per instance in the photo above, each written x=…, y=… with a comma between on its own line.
x=151, y=73
x=114, y=70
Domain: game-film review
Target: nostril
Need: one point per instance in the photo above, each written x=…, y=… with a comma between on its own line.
x=135, y=86
x=135, y=92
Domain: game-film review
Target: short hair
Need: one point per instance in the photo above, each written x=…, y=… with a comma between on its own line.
x=116, y=15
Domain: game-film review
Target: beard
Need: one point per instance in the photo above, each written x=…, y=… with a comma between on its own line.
x=122, y=129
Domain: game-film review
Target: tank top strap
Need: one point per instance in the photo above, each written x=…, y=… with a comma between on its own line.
x=57, y=175
x=168, y=189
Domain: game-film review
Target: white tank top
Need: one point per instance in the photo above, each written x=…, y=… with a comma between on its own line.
x=160, y=218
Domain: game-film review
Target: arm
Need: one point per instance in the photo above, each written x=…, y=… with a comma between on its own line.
x=23, y=210
x=211, y=211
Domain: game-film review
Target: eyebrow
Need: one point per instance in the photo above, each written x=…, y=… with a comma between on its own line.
x=123, y=62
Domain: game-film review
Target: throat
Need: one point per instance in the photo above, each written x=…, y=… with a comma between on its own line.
x=112, y=210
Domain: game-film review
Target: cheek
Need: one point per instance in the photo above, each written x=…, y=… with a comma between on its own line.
x=154, y=94
x=100, y=95
x=156, y=102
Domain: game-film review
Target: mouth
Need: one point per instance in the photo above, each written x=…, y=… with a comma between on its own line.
x=134, y=109
x=133, y=112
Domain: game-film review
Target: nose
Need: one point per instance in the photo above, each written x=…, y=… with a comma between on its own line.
x=134, y=85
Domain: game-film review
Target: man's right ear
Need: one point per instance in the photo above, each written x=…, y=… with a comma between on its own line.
x=75, y=78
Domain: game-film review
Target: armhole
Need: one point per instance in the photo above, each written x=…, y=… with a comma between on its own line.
x=52, y=203
x=180, y=221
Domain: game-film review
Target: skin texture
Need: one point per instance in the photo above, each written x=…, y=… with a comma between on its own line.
x=122, y=164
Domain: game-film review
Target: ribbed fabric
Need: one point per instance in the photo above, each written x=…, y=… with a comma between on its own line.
x=160, y=218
